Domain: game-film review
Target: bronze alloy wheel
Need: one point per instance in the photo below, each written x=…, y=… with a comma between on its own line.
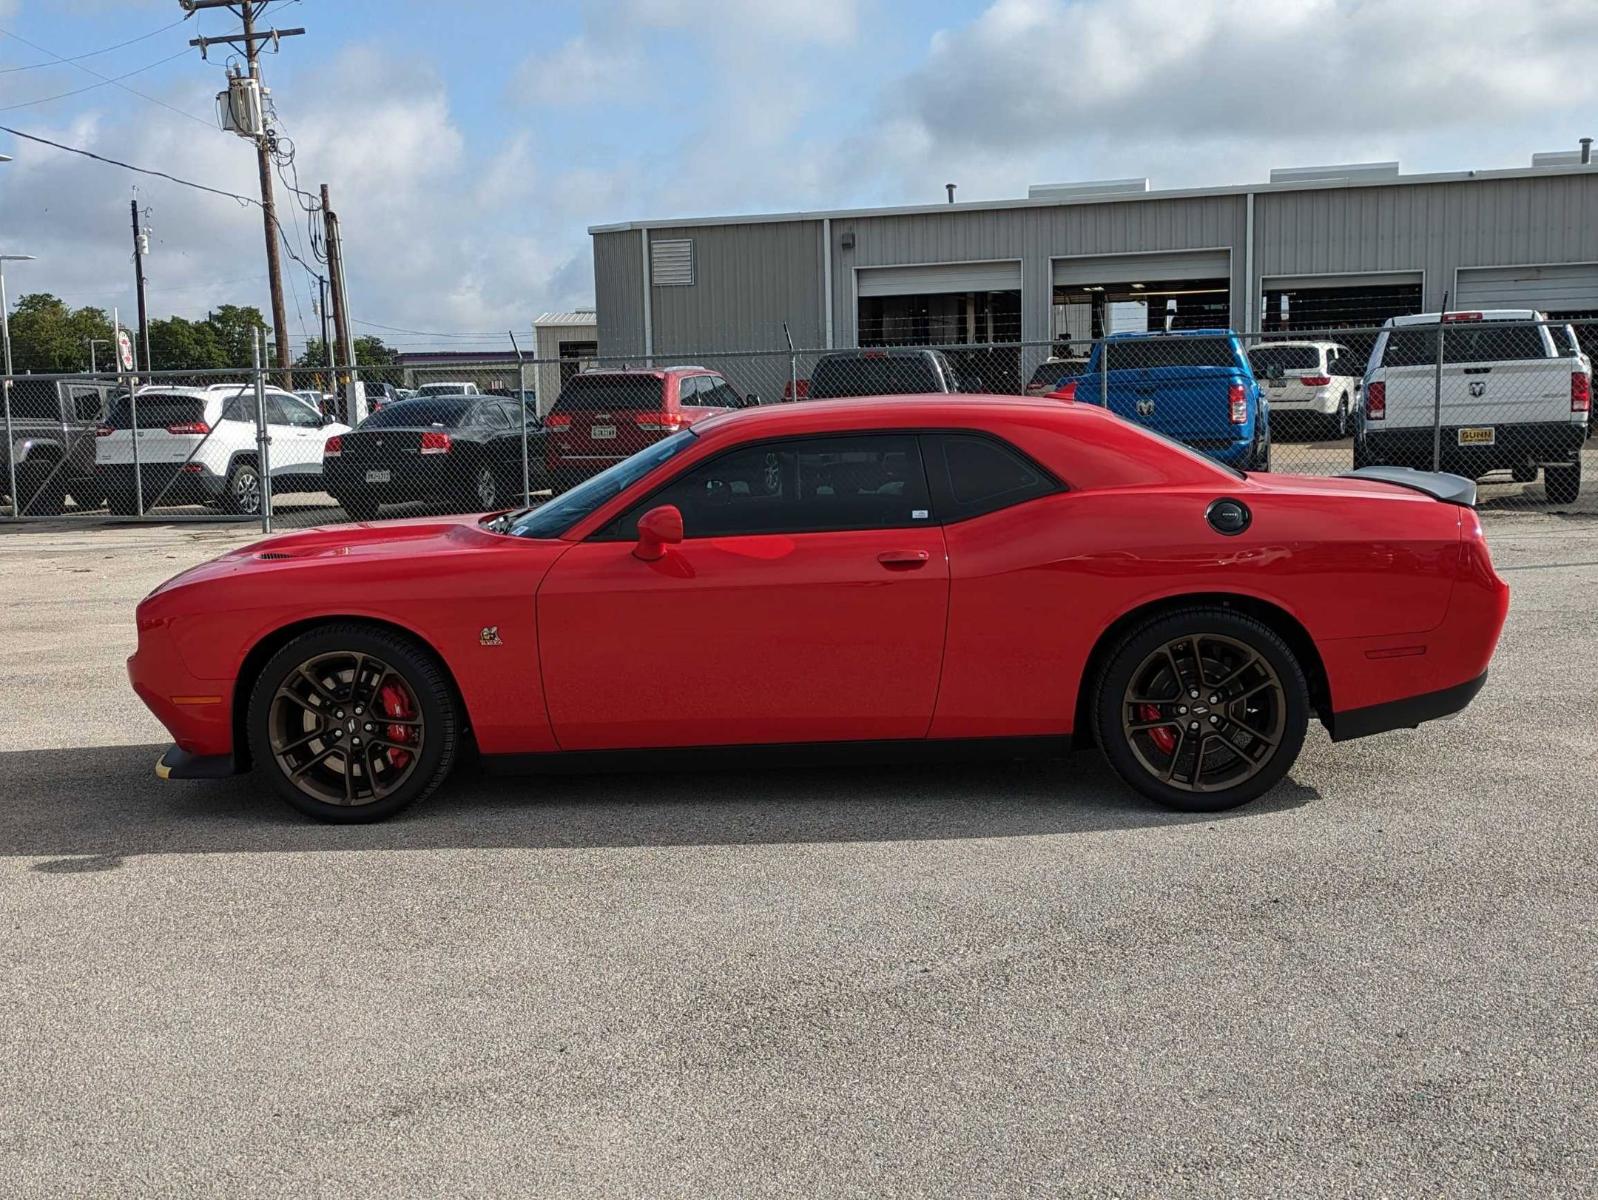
x=1204, y=712
x=346, y=728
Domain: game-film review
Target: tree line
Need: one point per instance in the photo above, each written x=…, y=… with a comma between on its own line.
x=48, y=336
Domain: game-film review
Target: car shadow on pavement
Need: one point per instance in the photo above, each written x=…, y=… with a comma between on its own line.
x=91, y=809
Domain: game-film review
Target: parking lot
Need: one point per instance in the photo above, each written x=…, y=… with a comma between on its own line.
x=891, y=981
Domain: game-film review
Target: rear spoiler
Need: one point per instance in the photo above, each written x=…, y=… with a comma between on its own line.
x=1450, y=489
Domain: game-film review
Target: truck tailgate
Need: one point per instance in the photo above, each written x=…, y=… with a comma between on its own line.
x=1505, y=393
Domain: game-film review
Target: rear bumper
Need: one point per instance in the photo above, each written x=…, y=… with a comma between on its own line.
x=421, y=478
x=1325, y=406
x=1403, y=714
x=165, y=480
x=1513, y=445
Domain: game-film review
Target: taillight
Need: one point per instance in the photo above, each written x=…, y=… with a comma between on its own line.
x=658, y=422
x=556, y=421
x=434, y=442
x=1376, y=401
x=104, y=431
x=192, y=468
x=333, y=447
x=195, y=427
x=1580, y=392
x=1315, y=380
x=1066, y=391
x=1239, y=402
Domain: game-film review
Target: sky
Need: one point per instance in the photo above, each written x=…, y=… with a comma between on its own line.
x=469, y=144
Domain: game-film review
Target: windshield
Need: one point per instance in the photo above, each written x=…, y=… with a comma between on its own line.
x=560, y=514
x=1289, y=358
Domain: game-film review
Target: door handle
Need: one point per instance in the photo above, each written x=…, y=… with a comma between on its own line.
x=907, y=559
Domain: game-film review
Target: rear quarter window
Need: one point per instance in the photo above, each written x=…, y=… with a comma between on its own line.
x=973, y=475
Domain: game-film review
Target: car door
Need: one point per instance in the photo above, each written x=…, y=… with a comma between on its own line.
x=806, y=603
x=297, y=435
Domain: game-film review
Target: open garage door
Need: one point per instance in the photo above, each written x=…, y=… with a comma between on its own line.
x=1306, y=304
x=1552, y=288
x=960, y=304
x=1109, y=293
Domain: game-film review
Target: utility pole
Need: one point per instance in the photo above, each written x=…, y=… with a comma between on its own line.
x=327, y=336
x=263, y=152
x=341, y=315
x=141, y=241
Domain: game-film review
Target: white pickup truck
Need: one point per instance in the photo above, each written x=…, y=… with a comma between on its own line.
x=1511, y=398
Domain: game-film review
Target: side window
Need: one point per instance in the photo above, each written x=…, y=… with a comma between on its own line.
x=722, y=395
x=974, y=475
x=88, y=404
x=692, y=390
x=284, y=410
x=819, y=485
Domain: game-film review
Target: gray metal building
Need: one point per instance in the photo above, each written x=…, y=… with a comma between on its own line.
x=1312, y=247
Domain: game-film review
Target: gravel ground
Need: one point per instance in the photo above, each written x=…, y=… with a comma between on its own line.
x=1012, y=980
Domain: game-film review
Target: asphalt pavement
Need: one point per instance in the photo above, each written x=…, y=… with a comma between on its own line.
x=1005, y=980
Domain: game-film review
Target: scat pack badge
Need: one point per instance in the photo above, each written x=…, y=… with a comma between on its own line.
x=489, y=636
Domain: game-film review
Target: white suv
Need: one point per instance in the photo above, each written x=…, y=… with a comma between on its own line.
x=1317, y=380
x=447, y=389
x=198, y=446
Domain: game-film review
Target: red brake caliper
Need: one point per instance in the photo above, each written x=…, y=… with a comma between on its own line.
x=396, y=704
x=1164, y=737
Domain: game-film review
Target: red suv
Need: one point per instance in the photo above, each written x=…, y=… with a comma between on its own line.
x=605, y=416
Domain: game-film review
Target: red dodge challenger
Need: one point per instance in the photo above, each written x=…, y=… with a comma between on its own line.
x=943, y=574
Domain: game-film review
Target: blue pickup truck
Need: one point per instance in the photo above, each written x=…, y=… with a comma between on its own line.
x=1195, y=387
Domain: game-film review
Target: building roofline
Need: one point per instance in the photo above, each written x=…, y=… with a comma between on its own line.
x=1339, y=183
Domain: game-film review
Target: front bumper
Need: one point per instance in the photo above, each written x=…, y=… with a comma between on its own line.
x=198, y=713
x=178, y=763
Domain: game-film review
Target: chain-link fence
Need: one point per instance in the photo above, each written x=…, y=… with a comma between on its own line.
x=1507, y=402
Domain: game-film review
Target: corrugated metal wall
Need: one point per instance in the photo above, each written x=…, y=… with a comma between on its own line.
x=750, y=277
x=1036, y=236
x=619, y=291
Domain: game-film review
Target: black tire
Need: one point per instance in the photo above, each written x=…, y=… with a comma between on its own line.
x=360, y=506
x=1340, y=422
x=44, y=491
x=1562, y=485
x=483, y=491
x=1260, y=460
x=1222, y=631
x=1362, y=456
x=409, y=663
x=119, y=502
x=242, y=494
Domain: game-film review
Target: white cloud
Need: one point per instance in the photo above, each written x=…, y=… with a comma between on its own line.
x=582, y=72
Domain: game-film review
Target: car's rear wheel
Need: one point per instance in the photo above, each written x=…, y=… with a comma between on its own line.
x=44, y=492
x=351, y=724
x=1340, y=420
x=242, y=492
x=1563, y=484
x=1202, y=710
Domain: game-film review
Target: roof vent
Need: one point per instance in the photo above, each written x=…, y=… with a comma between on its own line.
x=1565, y=158
x=1092, y=187
x=1352, y=172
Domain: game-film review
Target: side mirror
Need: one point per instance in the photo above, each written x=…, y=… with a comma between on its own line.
x=658, y=528
x=752, y=399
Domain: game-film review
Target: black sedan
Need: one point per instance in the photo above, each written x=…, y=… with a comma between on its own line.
x=464, y=452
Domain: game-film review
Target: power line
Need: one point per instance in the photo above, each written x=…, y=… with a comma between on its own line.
x=91, y=87
x=143, y=37
x=108, y=79
x=499, y=336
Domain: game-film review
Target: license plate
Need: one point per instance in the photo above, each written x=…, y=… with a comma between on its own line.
x=1481, y=436
x=602, y=433
x=377, y=477
x=1278, y=383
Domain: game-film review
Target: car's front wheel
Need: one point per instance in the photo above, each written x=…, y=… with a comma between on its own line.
x=1202, y=710
x=352, y=723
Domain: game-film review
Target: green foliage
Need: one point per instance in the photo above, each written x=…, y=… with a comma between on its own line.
x=369, y=352
x=47, y=336
x=178, y=344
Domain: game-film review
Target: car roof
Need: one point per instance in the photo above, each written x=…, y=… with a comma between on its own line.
x=1482, y=314
x=1291, y=342
x=1155, y=333
x=927, y=411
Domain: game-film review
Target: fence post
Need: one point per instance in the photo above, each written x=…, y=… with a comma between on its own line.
x=263, y=441
x=521, y=396
x=1104, y=372
x=11, y=454
x=1437, y=399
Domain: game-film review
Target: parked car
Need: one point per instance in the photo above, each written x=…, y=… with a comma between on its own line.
x=53, y=427
x=464, y=451
x=1052, y=372
x=464, y=388
x=839, y=575
x=379, y=395
x=603, y=416
x=1316, y=382
x=1195, y=386
x=1572, y=346
x=1511, y=398
x=199, y=446
x=882, y=371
